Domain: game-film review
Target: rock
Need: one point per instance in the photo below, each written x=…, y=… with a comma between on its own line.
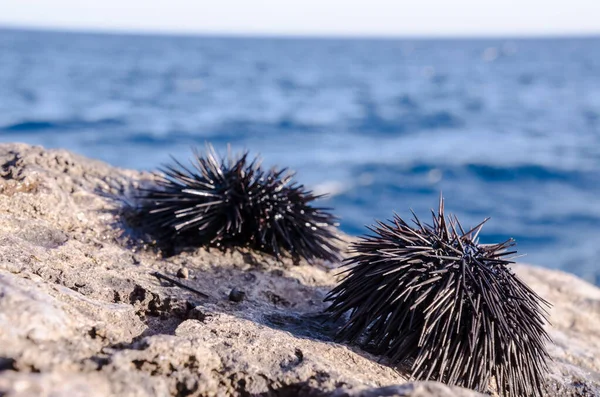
x=183, y=273
x=236, y=295
x=81, y=313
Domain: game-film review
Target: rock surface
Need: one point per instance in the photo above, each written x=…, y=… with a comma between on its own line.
x=82, y=314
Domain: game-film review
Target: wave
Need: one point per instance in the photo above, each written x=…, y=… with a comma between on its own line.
x=56, y=126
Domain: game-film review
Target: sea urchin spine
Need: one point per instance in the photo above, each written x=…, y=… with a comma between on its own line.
x=234, y=202
x=432, y=297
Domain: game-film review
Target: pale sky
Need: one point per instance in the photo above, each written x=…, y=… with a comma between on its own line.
x=312, y=17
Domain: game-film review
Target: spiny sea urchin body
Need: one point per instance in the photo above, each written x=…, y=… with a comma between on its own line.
x=234, y=202
x=434, y=298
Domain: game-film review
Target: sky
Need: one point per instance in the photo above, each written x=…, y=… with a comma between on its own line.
x=312, y=17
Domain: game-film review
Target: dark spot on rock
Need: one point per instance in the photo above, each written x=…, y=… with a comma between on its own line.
x=322, y=375
x=145, y=365
x=158, y=306
x=192, y=363
x=187, y=386
x=43, y=236
x=139, y=343
x=301, y=389
x=319, y=327
x=12, y=168
x=151, y=304
x=285, y=322
x=292, y=361
x=99, y=361
x=249, y=277
x=97, y=333
x=138, y=294
x=197, y=314
x=7, y=364
x=276, y=299
x=237, y=382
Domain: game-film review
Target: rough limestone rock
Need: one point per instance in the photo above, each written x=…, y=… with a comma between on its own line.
x=82, y=313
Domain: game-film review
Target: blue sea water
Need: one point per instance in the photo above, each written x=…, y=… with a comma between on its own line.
x=504, y=128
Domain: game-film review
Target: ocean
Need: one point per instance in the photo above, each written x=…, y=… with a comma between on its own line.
x=506, y=128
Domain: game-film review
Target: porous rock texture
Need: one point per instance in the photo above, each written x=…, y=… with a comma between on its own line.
x=82, y=314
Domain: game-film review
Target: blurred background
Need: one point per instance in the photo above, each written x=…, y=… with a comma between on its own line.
x=381, y=104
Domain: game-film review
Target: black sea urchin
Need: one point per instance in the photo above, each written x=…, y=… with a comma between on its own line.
x=431, y=296
x=234, y=202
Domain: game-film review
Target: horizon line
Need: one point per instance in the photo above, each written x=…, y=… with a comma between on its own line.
x=288, y=35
